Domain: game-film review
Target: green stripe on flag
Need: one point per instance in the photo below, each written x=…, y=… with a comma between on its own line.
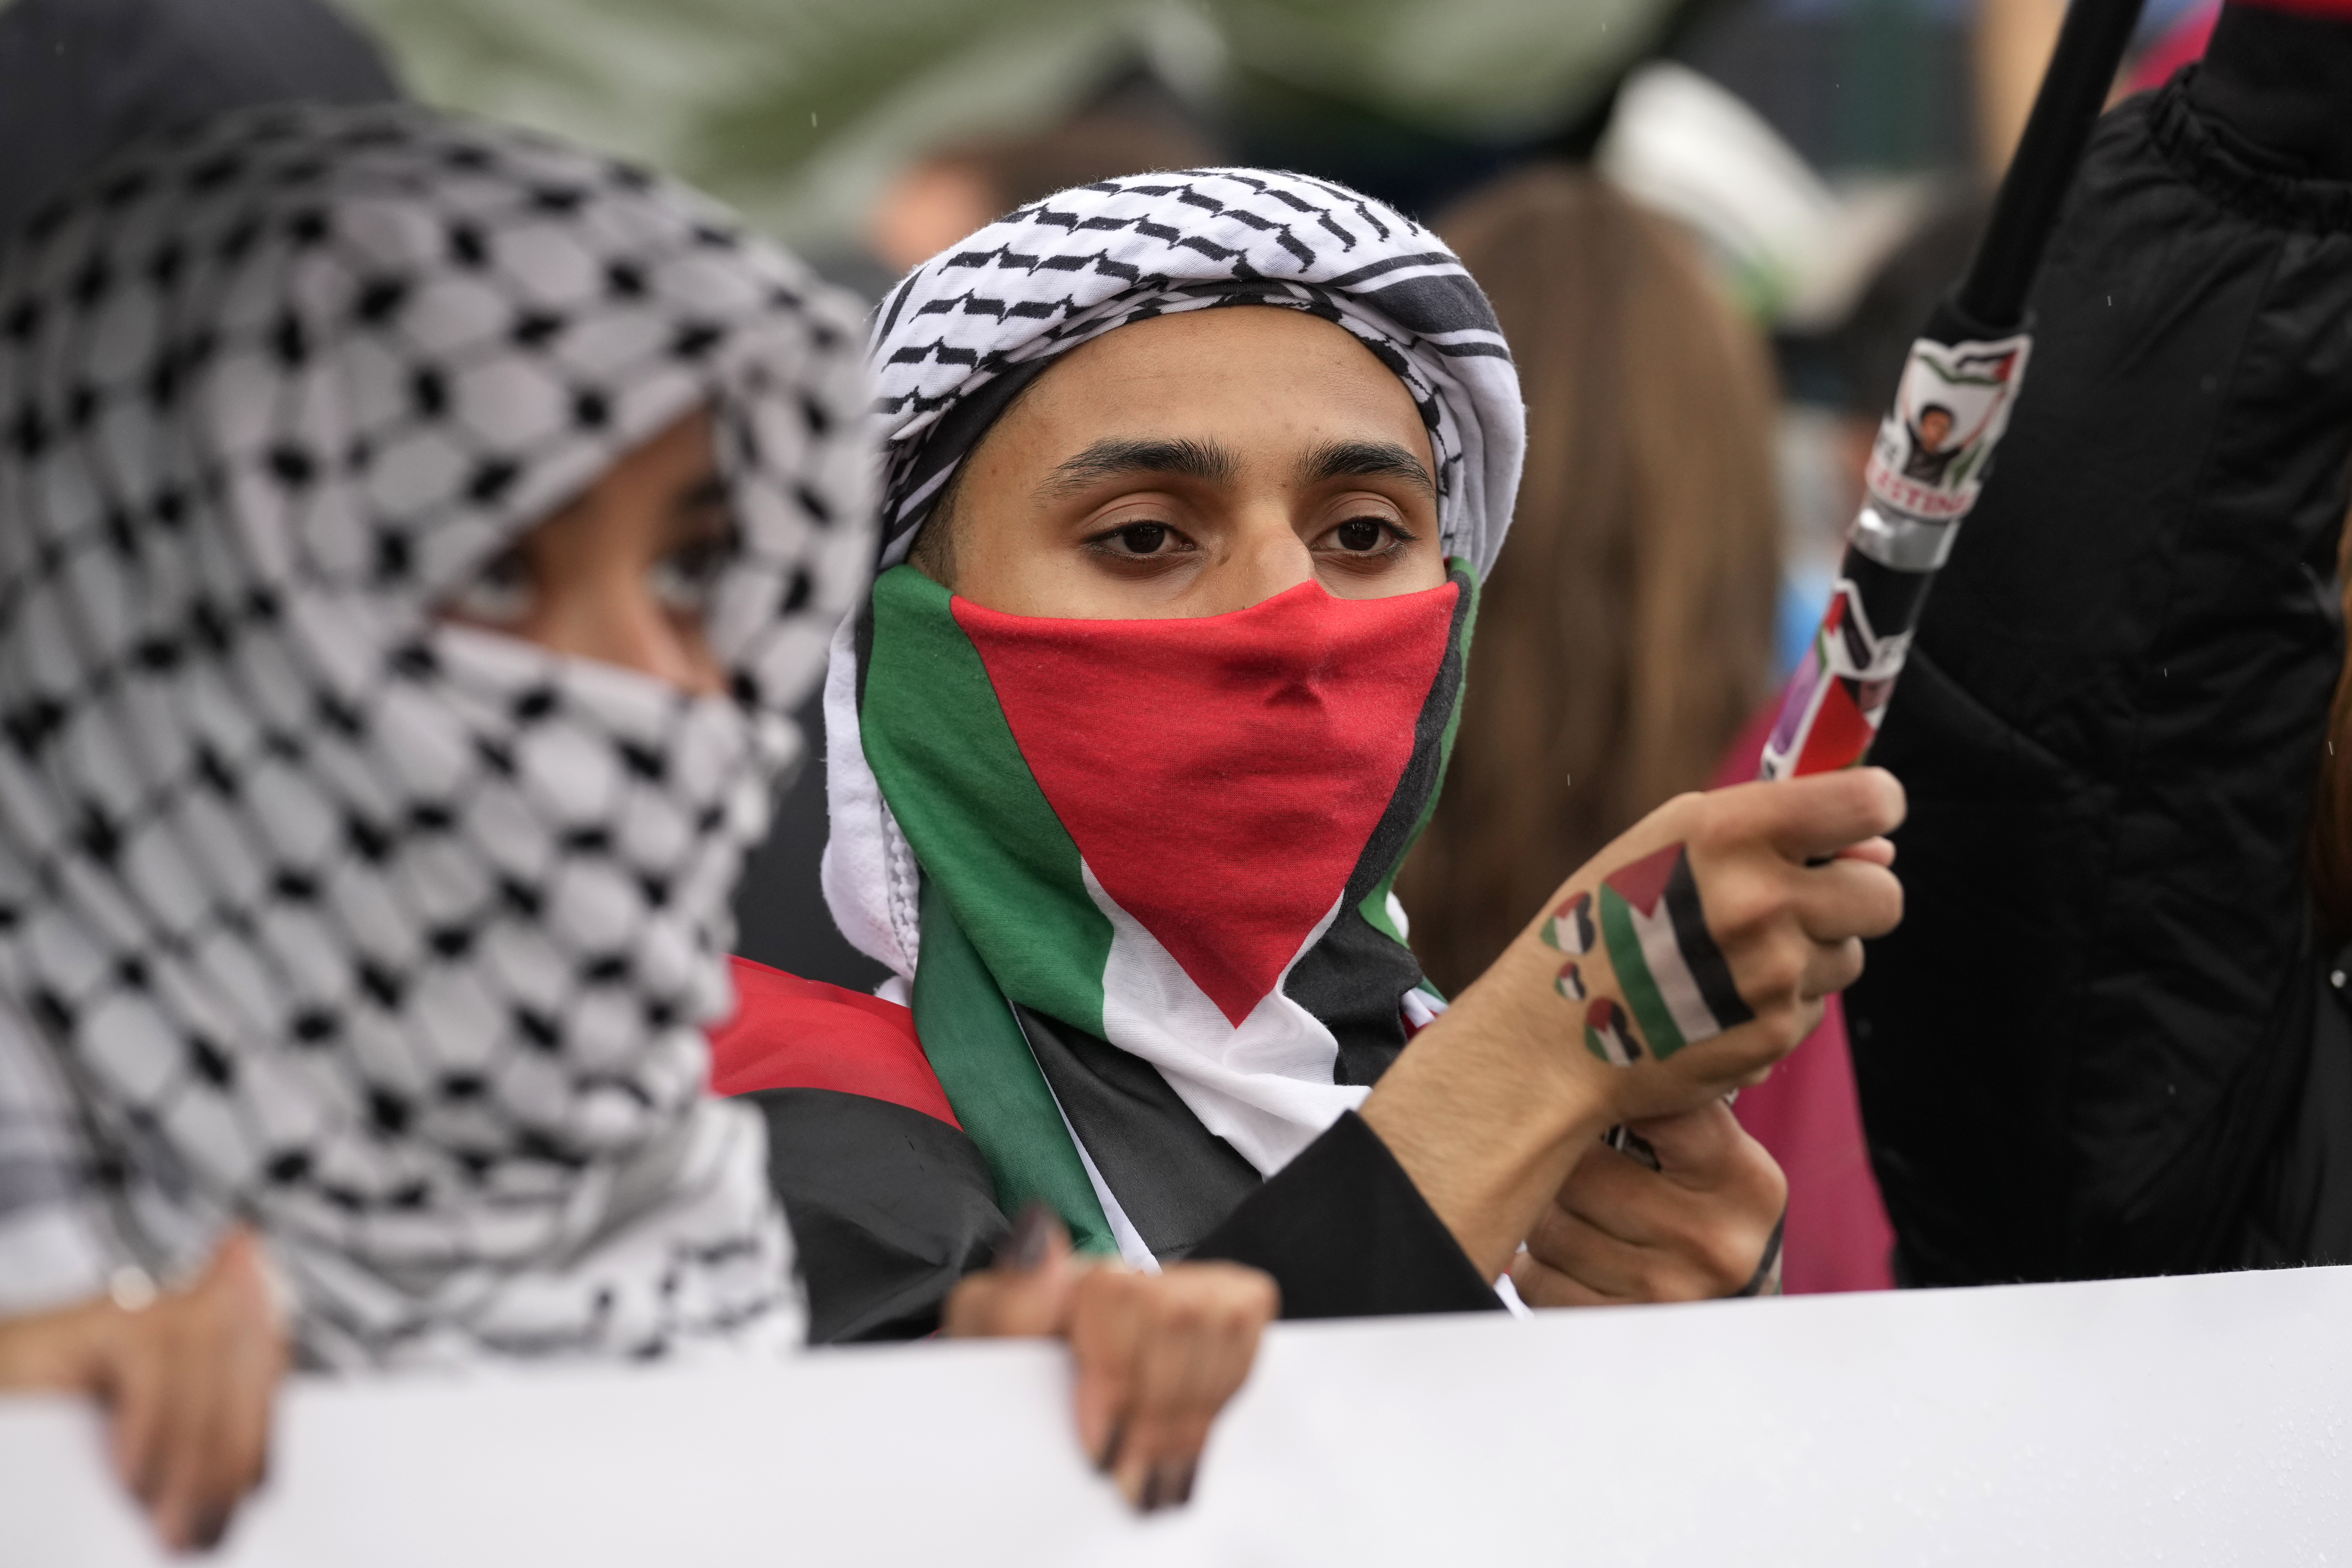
x=1375, y=907
x=1660, y=1037
x=948, y=764
x=984, y=1063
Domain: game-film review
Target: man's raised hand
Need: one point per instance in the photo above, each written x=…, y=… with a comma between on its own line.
x=1697, y=950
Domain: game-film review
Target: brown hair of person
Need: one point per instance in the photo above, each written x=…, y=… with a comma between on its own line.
x=1627, y=633
x=2330, y=844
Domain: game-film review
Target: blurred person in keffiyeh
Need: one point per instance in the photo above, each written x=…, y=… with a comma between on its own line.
x=417, y=534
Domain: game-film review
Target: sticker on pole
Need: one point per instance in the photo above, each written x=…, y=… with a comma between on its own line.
x=1831, y=709
x=1935, y=446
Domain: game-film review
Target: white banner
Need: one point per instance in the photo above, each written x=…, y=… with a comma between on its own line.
x=2188, y=1420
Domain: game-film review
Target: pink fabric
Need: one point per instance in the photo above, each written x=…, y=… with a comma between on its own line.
x=2178, y=44
x=1810, y=1118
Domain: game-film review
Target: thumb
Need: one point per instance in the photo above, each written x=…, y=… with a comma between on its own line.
x=1025, y=1293
x=1691, y=1146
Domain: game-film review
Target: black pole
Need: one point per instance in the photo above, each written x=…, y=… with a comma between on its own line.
x=1935, y=446
x=2082, y=72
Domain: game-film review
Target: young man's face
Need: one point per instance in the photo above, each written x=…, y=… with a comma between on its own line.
x=1191, y=465
x=1934, y=425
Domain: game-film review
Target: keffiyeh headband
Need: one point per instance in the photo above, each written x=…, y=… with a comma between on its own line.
x=959, y=339
x=395, y=938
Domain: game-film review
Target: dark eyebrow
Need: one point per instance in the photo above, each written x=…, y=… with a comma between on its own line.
x=1365, y=460
x=1113, y=457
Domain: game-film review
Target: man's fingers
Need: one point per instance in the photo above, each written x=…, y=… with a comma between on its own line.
x=1106, y=1322
x=1572, y=1245
x=226, y=1344
x=1581, y=1249
x=1808, y=818
x=1542, y=1285
x=132, y=1381
x=1609, y=1192
x=1025, y=1294
x=1690, y=1230
x=1691, y=1147
x=188, y=1498
x=255, y=1362
x=1187, y=1339
x=1830, y=968
x=1847, y=897
x=1877, y=851
x=1166, y=1418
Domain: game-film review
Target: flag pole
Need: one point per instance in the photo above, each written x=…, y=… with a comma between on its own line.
x=1935, y=446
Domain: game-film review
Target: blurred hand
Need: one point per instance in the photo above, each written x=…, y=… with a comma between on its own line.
x=188, y=1380
x=1157, y=1354
x=1705, y=1223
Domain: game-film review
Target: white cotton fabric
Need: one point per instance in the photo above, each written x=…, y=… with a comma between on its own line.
x=959, y=337
x=393, y=939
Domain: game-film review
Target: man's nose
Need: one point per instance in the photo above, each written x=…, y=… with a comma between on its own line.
x=1267, y=558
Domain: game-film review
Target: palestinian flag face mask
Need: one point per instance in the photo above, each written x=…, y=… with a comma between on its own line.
x=1155, y=861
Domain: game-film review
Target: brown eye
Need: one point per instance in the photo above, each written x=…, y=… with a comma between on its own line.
x=1143, y=538
x=503, y=593
x=1359, y=536
x=686, y=579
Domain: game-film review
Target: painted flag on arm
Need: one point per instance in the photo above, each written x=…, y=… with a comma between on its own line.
x=1676, y=979
x=1570, y=926
x=1609, y=1033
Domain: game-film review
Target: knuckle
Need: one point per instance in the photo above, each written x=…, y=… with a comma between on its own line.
x=1780, y=1028
x=1741, y=904
x=1724, y=1262
x=1651, y=1282
x=1771, y=972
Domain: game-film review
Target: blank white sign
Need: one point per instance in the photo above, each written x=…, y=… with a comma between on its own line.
x=2198, y=1420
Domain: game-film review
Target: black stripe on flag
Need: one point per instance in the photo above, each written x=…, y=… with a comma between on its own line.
x=1710, y=971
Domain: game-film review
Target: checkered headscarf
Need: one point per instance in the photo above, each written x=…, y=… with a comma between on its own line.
x=395, y=938
x=965, y=331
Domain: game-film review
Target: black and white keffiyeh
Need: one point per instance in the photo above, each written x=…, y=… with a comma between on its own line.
x=957, y=341
x=963, y=332
x=395, y=938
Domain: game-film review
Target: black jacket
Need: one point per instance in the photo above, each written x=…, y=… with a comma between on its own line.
x=889, y=1207
x=2104, y=1041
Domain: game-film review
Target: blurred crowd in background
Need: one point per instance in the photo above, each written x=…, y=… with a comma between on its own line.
x=1710, y=229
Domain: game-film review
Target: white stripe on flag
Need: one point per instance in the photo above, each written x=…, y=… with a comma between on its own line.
x=1672, y=976
x=1264, y=1088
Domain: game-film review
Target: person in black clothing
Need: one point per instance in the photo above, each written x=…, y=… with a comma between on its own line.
x=2110, y=1037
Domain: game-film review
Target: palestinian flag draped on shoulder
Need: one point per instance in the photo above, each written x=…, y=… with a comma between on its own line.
x=1155, y=861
